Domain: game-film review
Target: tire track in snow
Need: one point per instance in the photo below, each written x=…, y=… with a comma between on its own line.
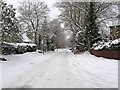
x=40, y=70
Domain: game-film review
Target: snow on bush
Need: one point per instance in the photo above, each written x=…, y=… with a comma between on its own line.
x=17, y=48
x=116, y=41
x=111, y=45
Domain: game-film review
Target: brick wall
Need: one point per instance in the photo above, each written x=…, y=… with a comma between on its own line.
x=112, y=54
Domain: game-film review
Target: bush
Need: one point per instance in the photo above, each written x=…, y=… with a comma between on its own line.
x=52, y=48
x=115, y=46
x=8, y=49
x=111, y=45
x=18, y=48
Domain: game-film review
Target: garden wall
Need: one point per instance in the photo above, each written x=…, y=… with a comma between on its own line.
x=112, y=54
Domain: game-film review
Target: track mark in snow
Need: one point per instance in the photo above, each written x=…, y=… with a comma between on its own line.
x=63, y=69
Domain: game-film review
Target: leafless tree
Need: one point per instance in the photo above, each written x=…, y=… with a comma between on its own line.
x=31, y=16
x=75, y=15
x=58, y=33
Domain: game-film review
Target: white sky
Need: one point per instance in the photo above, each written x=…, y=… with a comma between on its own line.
x=53, y=13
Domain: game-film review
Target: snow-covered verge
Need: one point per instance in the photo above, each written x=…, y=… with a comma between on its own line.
x=95, y=72
x=18, y=64
x=59, y=69
x=0, y=76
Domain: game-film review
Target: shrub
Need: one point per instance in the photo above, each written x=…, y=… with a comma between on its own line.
x=111, y=45
x=17, y=48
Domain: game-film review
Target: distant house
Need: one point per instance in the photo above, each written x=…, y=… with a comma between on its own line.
x=114, y=32
x=26, y=39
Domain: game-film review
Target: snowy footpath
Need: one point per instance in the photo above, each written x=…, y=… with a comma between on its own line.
x=59, y=69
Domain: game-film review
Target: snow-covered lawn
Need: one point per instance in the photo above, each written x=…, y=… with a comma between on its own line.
x=59, y=69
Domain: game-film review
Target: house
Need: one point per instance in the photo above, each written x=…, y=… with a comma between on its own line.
x=26, y=39
x=114, y=32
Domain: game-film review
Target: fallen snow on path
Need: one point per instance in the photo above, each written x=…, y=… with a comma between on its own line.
x=59, y=69
x=95, y=72
x=18, y=64
x=0, y=76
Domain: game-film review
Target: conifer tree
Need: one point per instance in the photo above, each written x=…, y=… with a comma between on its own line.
x=9, y=24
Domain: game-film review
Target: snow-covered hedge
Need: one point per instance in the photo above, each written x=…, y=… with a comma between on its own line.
x=111, y=45
x=17, y=48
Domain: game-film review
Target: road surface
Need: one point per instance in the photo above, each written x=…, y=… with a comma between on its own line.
x=55, y=71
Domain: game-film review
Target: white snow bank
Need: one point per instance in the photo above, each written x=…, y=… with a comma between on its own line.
x=95, y=72
x=16, y=65
x=0, y=75
x=24, y=44
x=20, y=63
x=59, y=69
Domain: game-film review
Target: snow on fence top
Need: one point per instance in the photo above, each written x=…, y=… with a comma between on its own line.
x=101, y=45
x=19, y=44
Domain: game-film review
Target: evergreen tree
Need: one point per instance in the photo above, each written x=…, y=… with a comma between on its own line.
x=9, y=24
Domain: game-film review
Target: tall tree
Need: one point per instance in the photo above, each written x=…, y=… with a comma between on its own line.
x=44, y=35
x=9, y=24
x=91, y=27
x=32, y=15
x=0, y=28
x=58, y=33
x=85, y=17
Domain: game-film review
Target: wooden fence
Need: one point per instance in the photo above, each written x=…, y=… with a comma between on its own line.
x=111, y=54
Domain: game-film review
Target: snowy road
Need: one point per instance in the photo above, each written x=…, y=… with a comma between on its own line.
x=59, y=69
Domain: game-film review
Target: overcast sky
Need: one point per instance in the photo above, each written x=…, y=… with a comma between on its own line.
x=53, y=13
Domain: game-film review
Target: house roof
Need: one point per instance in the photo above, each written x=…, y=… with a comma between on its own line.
x=25, y=38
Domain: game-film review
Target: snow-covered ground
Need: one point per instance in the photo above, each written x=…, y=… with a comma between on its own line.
x=59, y=69
x=0, y=75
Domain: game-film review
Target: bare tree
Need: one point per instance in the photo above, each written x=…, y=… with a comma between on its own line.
x=85, y=17
x=58, y=33
x=32, y=14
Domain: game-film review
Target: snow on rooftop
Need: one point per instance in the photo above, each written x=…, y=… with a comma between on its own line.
x=25, y=38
